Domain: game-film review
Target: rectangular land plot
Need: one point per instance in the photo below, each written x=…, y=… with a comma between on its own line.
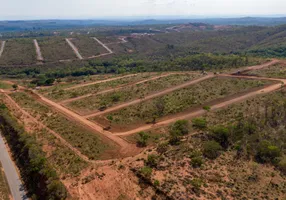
x=94, y=103
x=73, y=81
x=88, y=46
x=273, y=71
x=19, y=52
x=55, y=49
x=182, y=100
x=86, y=141
x=60, y=95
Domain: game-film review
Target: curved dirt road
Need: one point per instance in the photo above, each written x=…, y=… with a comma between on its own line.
x=136, y=101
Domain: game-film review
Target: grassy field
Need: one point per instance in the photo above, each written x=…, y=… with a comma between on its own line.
x=4, y=188
x=55, y=49
x=18, y=52
x=179, y=101
x=93, y=103
x=5, y=85
x=86, y=141
x=93, y=89
x=87, y=46
x=275, y=71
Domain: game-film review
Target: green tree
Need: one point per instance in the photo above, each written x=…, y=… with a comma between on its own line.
x=15, y=86
x=199, y=123
x=142, y=140
x=211, y=149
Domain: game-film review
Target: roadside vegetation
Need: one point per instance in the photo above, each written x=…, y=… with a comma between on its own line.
x=275, y=71
x=40, y=178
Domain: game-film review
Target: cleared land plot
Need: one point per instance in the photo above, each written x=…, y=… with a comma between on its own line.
x=108, y=39
x=60, y=95
x=4, y=188
x=94, y=103
x=85, y=140
x=73, y=81
x=274, y=71
x=18, y=52
x=88, y=47
x=179, y=101
x=55, y=49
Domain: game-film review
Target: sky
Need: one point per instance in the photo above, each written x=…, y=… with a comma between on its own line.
x=94, y=9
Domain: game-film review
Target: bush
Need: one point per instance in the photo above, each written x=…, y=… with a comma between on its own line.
x=146, y=172
x=142, y=140
x=197, y=184
x=181, y=127
x=162, y=148
x=197, y=161
x=199, y=123
x=211, y=149
x=152, y=160
x=267, y=152
x=282, y=164
x=207, y=108
x=221, y=135
x=156, y=183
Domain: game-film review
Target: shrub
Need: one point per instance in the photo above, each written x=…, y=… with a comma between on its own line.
x=152, y=160
x=221, y=135
x=162, y=148
x=142, y=140
x=282, y=164
x=197, y=184
x=199, y=123
x=181, y=127
x=156, y=183
x=146, y=172
x=197, y=161
x=267, y=152
x=211, y=149
x=207, y=108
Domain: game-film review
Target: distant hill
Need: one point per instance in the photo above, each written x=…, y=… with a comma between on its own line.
x=6, y=26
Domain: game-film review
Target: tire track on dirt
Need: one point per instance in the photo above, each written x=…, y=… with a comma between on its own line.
x=136, y=101
x=2, y=47
x=38, y=51
x=74, y=48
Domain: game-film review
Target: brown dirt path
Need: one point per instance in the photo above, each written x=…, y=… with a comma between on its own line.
x=256, y=67
x=68, y=40
x=136, y=101
x=38, y=51
x=122, y=86
x=202, y=111
x=126, y=149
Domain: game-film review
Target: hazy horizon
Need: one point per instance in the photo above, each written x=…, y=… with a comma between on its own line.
x=112, y=9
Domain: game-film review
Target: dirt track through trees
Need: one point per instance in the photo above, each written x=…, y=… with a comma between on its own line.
x=2, y=47
x=169, y=90
x=38, y=51
x=104, y=46
x=68, y=40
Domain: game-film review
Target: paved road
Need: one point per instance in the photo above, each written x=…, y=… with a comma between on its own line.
x=14, y=181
